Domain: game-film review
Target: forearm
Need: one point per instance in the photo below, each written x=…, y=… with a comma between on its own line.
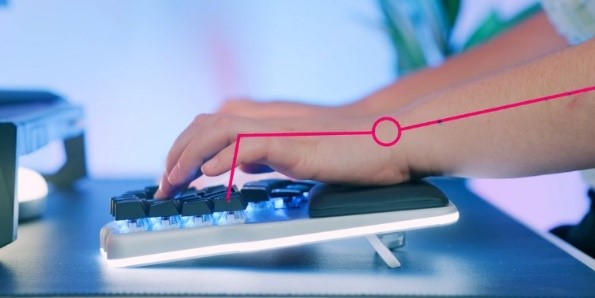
x=550, y=136
x=534, y=38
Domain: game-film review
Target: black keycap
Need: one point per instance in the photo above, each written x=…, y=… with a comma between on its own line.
x=162, y=208
x=125, y=197
x=191, y=193
x=126, y=208
x=196, y=206
x=258, y=191
x=214, y=190
x=150, y=191
x=113, y=202
x=236, y=203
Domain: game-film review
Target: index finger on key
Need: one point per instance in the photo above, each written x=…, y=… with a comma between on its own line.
x=208, y=141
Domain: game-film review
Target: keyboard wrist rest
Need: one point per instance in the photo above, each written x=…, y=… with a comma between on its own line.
x=337, y=200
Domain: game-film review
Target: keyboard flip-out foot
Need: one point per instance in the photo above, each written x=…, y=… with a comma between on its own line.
x=387, y=256
x=393, y=240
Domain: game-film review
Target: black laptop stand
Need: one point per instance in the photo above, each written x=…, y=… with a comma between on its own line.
x=30, y=120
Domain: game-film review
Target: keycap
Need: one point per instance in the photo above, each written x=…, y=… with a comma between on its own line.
x=150, y=191
x=162, y=208
x=115, y=200
x=130, y=209
x=215, y=190
x=191, y=193
x=236, y=203
x=113, y=205
x=293, y=194
x=258, y=191
x=195, y=206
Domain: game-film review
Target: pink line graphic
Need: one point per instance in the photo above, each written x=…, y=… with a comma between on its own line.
x=500, y=108
x=400, y=129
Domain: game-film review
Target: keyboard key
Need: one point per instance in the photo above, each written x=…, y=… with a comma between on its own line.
x=130, y=209
x=214, y=190
x=220, y=190
x=191, y=193
x=196, y=206
x=150, y=191
x=258, y=191
x=162, y=208
x=112, y=206
x=236, y=203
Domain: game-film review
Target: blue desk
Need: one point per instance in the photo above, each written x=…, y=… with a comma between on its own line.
x=485, y=253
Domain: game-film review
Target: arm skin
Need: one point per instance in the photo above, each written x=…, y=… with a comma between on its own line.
x=541, y=138
x=509, y=49
x=547, y=137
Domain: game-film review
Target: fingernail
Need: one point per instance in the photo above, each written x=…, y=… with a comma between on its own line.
x=160, y=193
x=175, y=177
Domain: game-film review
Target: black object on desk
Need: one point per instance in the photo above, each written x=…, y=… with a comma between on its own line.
x=30, y=120
x=485, y=254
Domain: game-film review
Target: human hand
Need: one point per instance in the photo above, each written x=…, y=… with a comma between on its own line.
x=206, y=147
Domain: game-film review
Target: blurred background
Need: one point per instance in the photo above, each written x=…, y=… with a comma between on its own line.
x=143, y=70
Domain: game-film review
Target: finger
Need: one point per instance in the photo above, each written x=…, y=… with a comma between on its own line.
x=256, y=168
x=208, y=141
x=264, y=152
x=250, y=151
x=165, y=189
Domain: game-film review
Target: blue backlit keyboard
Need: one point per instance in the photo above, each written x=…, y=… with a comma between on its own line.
x=264, y=214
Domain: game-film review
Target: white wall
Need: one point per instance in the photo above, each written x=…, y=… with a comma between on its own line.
x=143, y=69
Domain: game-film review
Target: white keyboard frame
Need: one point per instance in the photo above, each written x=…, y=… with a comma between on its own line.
x=140, y=248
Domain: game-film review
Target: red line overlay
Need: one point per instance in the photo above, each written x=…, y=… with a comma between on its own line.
x=400, y=129
x=499, y=108
x=305, y=134
x=283, y=134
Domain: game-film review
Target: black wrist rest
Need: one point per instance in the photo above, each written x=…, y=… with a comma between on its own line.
x=336, y=200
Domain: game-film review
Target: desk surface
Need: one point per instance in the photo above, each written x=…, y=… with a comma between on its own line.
x=485, y=253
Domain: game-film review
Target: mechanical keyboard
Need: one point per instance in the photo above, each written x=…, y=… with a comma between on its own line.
x=265, y=214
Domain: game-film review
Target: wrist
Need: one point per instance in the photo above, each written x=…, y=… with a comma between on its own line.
x=418, y=150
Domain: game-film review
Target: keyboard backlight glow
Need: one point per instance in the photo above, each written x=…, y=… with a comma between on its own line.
x=278, y=203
